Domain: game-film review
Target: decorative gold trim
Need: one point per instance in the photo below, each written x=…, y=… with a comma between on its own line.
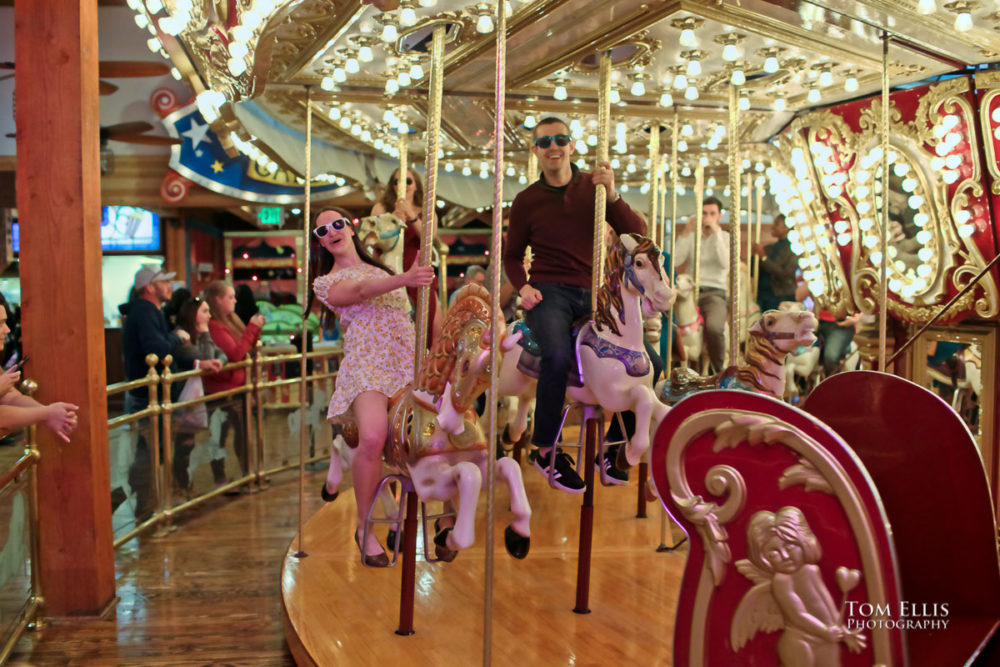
x=732, y=428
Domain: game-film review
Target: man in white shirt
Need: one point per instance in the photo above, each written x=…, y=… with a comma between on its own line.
x=714, y=276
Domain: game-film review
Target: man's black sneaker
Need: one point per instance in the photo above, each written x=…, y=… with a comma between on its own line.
x=565, y=476
x=612, y=474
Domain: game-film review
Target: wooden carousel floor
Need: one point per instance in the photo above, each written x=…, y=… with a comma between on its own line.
x=341, y=613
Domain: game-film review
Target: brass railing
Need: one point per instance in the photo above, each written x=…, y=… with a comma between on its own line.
x=21, y=598
x=156, y=431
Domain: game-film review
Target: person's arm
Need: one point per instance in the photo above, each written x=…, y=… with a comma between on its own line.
x=152, y=339
x=350, y=292
x=720, y=241
x=377, y=209
x=782, y=265
x=234, y=348
x=19, y=411
x=623, y=219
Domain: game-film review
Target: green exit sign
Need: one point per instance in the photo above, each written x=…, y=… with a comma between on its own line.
x=269, y=215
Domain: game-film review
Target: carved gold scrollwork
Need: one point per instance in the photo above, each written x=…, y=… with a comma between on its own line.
x=817, y=469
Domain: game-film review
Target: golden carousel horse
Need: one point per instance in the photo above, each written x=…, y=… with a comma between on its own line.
x=435, y=438
x=772, y=338
x=613, y=369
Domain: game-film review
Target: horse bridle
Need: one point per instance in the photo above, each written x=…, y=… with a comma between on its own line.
x=629, y=270
x=772, y=335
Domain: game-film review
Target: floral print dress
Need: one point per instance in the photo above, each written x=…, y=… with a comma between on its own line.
x=379, y=341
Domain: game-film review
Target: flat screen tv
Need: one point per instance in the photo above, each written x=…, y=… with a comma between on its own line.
x=129, y=229
x=123, y=229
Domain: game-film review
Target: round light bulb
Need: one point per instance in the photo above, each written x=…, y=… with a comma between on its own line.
x=365, y=54
x=614, y=97
x=693, y=67
x=560, y=92
x=638, y=89
x=416, y=71
x=141, y=20
x=779, y=103
x=667, y=100
x=813, y=96
x=744, y=103
x=154, y=44
x=680, y=82
x=688, y=37
x=738, y=78
x=851, y=83
x=404, y=79
x=391, y=86
x=963, y=21
x=339, y=75
x=389, y=33
x=241, y=33
x=484, y=24
x=352, y=66
x=771, y=65
x=529, y=121
x=237, y=66
x=825, y=78
x=730, y=53
x=407, y=17
x=691, y=93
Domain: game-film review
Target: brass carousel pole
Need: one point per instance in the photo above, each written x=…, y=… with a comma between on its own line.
x=749, y=252
x=532, y=168
x=593, y=420
x=756, y=239
x=500, y=87
x=654, y=182
x=699, y=200
x=734, y=226
x=884, y=266
x=403, y=167
x=435, y=83
x=664, y=519
x=304, y=331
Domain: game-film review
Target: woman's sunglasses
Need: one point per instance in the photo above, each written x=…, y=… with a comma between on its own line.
x=546, y=141
x=337, y=224
x=409, y=181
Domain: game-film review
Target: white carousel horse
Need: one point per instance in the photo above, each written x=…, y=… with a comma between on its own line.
x=691, y=326
x=435, y=437
x=382, y=235
x=613, y=370
x=772, y=337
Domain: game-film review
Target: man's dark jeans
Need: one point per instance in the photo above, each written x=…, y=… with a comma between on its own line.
x=551, y=321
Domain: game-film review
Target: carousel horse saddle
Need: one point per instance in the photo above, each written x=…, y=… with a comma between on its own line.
x=684, y=381
x=636, y=362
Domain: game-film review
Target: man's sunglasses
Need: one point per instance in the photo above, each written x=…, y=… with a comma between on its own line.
x=546, y=141
x=337, y=224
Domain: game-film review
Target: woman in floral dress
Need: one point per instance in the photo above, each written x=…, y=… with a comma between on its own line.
x=379, y=344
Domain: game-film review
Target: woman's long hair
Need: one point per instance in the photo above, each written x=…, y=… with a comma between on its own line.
x=388, y=199
x=321, y=262
x=215, y=291
x=187, y=317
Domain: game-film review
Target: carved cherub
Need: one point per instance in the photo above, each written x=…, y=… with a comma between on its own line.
x=789, y=593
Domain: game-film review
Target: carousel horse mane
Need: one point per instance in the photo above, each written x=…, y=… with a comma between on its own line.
x=618, y=263
x=472, y=303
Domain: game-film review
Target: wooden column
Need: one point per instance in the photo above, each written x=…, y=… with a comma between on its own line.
x=59, y=206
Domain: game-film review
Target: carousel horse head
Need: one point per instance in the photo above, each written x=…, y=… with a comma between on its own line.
x=632, y=267
x=784, y=330
x=381, y=234
x=684, y=285
x=458, y=366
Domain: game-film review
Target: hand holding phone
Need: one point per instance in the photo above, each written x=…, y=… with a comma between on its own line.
x=19, y=365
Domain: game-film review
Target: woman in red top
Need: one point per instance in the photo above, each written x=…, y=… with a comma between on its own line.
x=409, y=210
x=236, y=340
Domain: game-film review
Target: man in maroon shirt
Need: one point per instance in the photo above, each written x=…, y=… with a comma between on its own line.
x=555, y=216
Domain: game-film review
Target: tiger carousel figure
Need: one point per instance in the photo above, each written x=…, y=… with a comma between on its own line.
x=613, y=369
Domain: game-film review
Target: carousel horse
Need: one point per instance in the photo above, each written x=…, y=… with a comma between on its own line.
x=691, y=325
x=382, y=236
x=435, y=437
x=803, y=362
x=772, y=338
x=612, y=369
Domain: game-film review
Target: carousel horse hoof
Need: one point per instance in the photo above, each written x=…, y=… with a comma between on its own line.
x=326, y=495
x=391, y=537
x=621, y=461
x=517, y=545
x=371, y=560
x=441, y=550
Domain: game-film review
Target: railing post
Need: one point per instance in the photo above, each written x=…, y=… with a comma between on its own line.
x=247, y=422
x=258, y=379
x=29, y=387
x=166, y=461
